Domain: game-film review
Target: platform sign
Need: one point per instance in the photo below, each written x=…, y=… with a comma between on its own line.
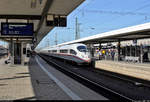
x=17, y=29
x=56, y=20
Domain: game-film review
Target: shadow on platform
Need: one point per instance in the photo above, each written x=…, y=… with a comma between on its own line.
x=15, y=77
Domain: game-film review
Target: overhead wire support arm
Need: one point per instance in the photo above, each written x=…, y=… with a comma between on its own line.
x=117, y=12
x=43, y=15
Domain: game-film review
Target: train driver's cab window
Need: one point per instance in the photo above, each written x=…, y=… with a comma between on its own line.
x=82, y=48
x=73, y=52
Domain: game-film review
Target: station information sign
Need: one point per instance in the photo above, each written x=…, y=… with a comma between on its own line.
x=56, y=20
x=17, y=29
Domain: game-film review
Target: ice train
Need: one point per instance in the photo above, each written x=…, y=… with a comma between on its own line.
x=77, y=53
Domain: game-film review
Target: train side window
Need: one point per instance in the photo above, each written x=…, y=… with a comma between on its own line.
x=73, y=52
x=54, y=51
x=63, y=51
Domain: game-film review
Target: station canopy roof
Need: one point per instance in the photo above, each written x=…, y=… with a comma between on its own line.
x=34, y=11
x=129, y=33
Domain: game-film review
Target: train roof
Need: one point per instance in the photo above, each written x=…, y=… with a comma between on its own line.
x=63, y=46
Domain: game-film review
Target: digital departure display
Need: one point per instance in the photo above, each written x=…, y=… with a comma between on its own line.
x=17, y=29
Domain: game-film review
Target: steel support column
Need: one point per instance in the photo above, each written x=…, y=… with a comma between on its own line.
x=141, y=53
x=12, y=51
x=119, y=50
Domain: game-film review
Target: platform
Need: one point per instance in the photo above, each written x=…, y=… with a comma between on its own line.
x=40, y=81
x=56, y=85
x=15, y=82
x=137, y=70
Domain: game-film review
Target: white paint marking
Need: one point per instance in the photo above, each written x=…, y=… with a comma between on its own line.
x=60, y=84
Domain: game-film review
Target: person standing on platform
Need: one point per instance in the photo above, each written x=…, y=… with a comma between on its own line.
x=100, y=54
x=113, y=54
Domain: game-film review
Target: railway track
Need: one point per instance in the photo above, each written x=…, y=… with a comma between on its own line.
x=99, y=88
x=132, y=80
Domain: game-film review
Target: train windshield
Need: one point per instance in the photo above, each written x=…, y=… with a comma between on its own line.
x=82, y=48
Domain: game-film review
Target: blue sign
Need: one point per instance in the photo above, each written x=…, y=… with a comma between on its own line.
x=17, y=29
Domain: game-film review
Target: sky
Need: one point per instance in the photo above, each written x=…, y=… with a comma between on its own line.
x=97, y=16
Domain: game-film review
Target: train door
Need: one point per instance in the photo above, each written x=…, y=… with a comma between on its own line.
x=17, y=53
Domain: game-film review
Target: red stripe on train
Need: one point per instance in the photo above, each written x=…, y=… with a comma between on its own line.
x=88, y=61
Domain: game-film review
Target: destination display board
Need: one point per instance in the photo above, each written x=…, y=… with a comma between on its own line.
x=17, y=29
x=56, y=21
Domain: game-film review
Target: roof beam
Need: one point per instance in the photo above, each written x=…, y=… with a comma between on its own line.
x=138, y=33
x=44, y=13
x=30, y=17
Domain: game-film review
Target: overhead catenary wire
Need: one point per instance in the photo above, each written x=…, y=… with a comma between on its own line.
x=123, y=14
x=116, y=12
x=120, y=13
x=83, y=10
x=79, y=10
x=140, y=8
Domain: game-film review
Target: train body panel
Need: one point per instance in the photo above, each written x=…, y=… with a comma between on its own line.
x=74, y=52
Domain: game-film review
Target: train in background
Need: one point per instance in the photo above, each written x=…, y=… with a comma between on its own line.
x=77, y=53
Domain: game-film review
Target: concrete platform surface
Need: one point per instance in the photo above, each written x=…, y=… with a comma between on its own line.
x=60, y=87
x=15, y=82
x=40, y=81
x=136, y=70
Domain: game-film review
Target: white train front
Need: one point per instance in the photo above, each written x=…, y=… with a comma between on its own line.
x=74, y=52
